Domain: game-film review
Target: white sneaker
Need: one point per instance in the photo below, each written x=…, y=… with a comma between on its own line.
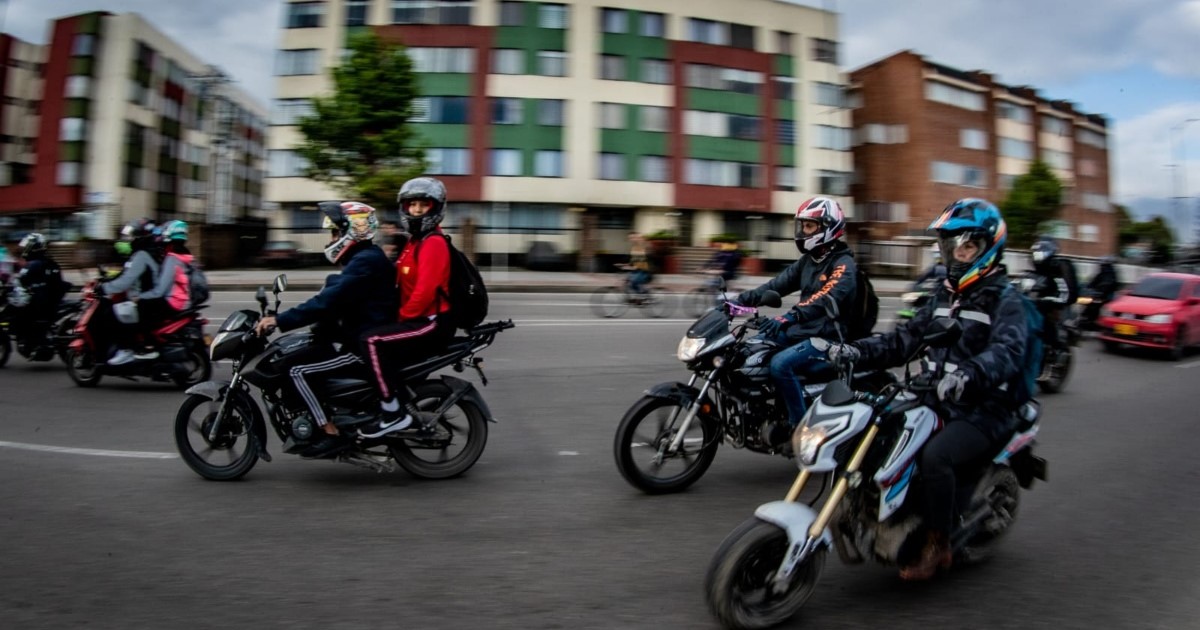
x=122, y=357
x=385, y=427
x=146, y=355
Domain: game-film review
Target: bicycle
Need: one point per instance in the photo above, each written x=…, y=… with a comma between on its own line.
x=612, y=301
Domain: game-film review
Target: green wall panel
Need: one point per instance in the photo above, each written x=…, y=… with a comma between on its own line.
x=633, y=142
x=444, y=136
x=77, y=108
x=528, y=137
x=70, y=151
x=785, y=110
x=787, y=155
x=782, y=65
x=727, y=149
x=82, y=65
x=444, y=84
x=718, y=101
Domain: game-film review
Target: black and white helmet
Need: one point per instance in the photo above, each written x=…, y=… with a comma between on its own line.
x=34, y=244
x=422, y=188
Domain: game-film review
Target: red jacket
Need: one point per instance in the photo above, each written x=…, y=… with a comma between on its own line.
x=423, y=276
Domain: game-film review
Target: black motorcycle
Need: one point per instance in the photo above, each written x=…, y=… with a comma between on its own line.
x=36, y=347
x=221, y=433
x=1056, y=361
x=669, y=437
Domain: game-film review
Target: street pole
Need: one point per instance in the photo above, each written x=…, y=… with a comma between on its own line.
x=1180, y=204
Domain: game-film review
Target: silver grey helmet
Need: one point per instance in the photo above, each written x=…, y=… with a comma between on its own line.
x=422, y=188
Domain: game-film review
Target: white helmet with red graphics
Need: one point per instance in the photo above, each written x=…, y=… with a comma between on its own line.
x=827, y=215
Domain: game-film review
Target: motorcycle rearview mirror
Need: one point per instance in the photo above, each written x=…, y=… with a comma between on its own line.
x=281, y=283
x=261, y=296
x=772, y=299
x=942, y=332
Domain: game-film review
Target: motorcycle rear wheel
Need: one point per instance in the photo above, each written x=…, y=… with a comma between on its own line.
x=82, y=368
x=199, y=452
x=1002, y=492
x=198, y=369
x=738, y=585
x=435, y=456
x=650, y=423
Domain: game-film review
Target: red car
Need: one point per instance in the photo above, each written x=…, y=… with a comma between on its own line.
x=1161, y=311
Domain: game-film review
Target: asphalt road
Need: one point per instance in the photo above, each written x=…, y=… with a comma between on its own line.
x=543, y=532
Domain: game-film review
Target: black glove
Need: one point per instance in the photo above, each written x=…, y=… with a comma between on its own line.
x=748, y=298
x=775, y=326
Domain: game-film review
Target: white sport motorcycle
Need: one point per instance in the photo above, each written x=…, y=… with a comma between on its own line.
x=767, y=568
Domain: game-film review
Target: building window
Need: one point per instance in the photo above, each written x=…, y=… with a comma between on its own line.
x=723, y=79
x=505, y=162
x=285, y=164
x=785, y=178
x=785, y=132
x=68, y=174
x=1060, y=160
x=745, y=127
x=289, y=111
x=973, y=139
x=426, y=12
x=448, y=161
x=958, y=174
x=1092, y=138
x=83, y=45
x=551, y=63
x=741, y=36
x=612, y=116
x=783, y=87
x=654, y=118
x=439, y=109
x=508, y=61
x=950, y=95
x=719, y=173
x=614, y=20
x=1090, y=234
x=707, y=32
x=552, y=16
x=72, y=129
x=829, y=94
x=443, y=60
x=783, y=42
x=356, y=12
x=512, y=14
x=305, y=14
x=1056, y=126
x=612, y=67
x=824, y=50
x=78, y=86
x=612, y=166
x=653, y=168
x=833, y=183
x=550, y=112
x=1013, y=148
x=882, y=134
x=1005, y=182
x=1013, y=112
x=547, y=163
x=832, y=138
x=1087, y=168
x=507, y=111
x=1095, y=201
x=656, y=71
x=652, y=25
x=296, y=62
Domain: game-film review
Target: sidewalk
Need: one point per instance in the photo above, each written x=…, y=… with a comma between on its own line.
x=504, y=281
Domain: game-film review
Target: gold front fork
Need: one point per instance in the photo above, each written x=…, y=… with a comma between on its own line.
x=839, y=490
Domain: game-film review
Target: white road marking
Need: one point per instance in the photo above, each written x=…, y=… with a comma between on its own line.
x=1191, y=364
x=570, y=453
x=87, y=451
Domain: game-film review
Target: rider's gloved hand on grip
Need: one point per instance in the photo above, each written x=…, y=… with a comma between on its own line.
x=775, y=326
x=951, y=386
x=843, y=354
x=747, y=298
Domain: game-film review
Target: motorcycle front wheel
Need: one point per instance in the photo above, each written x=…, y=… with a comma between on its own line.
x=82, y=368
x=640, y=446
x=740, y=584
x=453, y=445
x=228, y=456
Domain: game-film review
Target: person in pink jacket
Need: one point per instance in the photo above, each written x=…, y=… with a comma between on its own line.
x=170, y=294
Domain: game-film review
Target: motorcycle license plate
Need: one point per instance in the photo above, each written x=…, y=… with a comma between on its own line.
x=1127, y=330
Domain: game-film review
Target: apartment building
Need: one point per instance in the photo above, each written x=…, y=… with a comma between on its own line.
x=111, y=120
x=926, y=134
x=549, y=119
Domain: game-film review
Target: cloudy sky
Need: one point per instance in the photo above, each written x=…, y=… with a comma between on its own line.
x=1136, y=62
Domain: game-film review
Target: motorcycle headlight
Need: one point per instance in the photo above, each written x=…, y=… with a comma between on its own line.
x=807, y=441
x=689, y=348
x=1161, y=318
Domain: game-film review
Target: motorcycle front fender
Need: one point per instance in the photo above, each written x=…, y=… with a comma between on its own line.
x=460, y=389
x=793, y=518
x=216, y=391
x=681, y=393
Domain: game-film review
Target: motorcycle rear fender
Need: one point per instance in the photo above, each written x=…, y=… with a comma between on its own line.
x=795, y=519
x=460, y=389
x=216, y=390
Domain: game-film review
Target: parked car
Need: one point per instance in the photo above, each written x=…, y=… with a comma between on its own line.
x=544, y=256
x=1162, y=310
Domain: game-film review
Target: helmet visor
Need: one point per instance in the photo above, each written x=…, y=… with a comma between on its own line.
x=962, y=248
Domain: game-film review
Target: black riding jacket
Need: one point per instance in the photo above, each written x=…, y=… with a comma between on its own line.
x=833, y=275
x=42, y=278
x=990, y=352
x=358, y=299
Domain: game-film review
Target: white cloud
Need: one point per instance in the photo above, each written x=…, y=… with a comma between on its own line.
x=1150, y=147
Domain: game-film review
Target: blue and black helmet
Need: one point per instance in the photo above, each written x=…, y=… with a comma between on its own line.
x=974, y=221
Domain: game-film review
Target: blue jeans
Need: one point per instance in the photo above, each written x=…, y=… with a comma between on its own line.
x=638, y=280
x=788, y=366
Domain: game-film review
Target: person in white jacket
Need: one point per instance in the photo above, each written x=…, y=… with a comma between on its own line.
x=140, y=274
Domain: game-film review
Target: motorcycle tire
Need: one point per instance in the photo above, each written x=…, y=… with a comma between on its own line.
x=5, y=348
x=738, y=585
x=238, y=422
x=82, y=368
x=196, y=369
x=429, y=456
x=1002, y=491
x=631, y=441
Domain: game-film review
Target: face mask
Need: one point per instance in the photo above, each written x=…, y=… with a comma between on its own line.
x=124, y=248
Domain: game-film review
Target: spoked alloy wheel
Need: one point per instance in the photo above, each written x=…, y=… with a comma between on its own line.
x=452, y=447
x=82, y=368
x=740, y=583
x=1001, y=491
x=642, y=440
x=609, y=302
x=231, y=454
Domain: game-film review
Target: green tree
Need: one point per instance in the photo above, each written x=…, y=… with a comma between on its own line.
x=358, y=140
x=1125, y=232
x=1035, y=198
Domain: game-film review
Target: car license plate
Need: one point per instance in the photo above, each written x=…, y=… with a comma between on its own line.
x=1127, y=330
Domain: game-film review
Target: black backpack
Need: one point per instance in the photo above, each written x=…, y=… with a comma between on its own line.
x=866, y=307
x=468, y=296
x=198, y=291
